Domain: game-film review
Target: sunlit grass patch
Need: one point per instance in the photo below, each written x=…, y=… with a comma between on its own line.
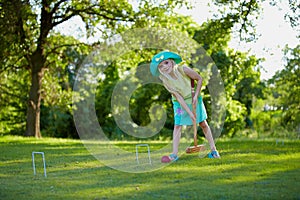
x=248, y=169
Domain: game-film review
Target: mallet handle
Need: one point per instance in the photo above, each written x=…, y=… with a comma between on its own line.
x=194, y=112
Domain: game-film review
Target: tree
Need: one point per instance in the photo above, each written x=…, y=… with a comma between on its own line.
x=287, y=86
x=240, y=15
x=26, y=27
x=31, y=47
x=292, y=15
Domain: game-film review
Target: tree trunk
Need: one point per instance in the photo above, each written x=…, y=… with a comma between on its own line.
x=34, y=101
x=37, y=62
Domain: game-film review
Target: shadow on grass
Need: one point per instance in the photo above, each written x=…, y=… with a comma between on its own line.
x=248, y=170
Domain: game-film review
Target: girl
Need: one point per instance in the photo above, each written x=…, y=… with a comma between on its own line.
x=177, y=80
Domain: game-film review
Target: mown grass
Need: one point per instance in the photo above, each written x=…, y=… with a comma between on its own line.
x=248, y=169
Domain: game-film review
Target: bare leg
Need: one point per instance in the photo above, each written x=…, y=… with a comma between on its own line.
x=176, y=138
x=208, y=135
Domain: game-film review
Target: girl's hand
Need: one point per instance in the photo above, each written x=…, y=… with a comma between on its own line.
x=195, y=101
x=193, y=117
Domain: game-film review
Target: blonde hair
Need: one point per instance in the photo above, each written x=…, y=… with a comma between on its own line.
x=168, y=80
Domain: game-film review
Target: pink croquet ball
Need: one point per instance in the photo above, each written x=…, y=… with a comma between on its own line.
x=165, y=159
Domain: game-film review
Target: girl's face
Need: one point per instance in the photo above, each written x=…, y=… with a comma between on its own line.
x=166, y=66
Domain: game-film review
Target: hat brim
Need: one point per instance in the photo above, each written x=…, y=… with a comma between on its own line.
x=161, y=56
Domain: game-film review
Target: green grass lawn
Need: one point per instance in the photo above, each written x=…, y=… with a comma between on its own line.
x=248, y=169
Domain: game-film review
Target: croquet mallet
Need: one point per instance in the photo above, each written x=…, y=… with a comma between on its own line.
x=196, y=148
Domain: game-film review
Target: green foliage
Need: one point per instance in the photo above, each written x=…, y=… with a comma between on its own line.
x=266, y=121
x=13, y=103
x=277, y=111
x=27, y=29
x=31, y=43
x=15, y=28
x=241, y=14
x=286, y=90
x=293, y=15
x=57, y=122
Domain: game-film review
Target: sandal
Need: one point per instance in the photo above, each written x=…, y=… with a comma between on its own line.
x=214, y=154
x=170, y=158
x=173, y=157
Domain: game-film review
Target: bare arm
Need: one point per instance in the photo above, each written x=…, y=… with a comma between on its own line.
x=180, y=99
x=194, y=75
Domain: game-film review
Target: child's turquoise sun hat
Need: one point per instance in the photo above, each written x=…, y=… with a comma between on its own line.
x=161, y=56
